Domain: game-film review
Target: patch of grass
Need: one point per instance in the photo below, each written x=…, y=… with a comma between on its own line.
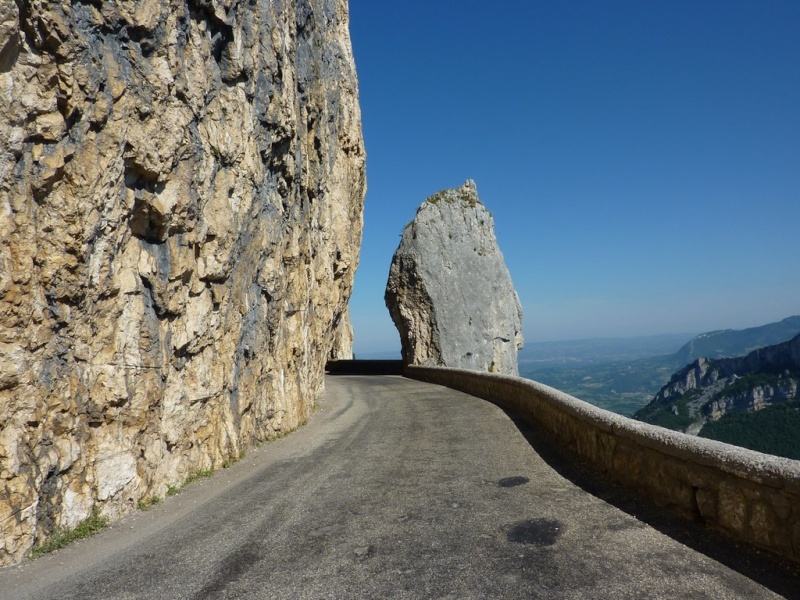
x=466, y=198
x=147, y=504
x=436, y=197
x=62, y=537
x=172, y=490
x=278, y=436
x=229, y=462
x=470, y=201
x=199, y=474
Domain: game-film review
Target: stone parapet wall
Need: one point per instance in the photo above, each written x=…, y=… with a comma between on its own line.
x=747, y=495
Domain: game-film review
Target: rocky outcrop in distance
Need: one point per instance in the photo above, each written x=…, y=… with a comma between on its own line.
x=449, y=291
x=707, y=389
x=181, y=194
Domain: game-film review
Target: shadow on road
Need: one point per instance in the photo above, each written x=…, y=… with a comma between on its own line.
x=364, y=367
x=773, y=572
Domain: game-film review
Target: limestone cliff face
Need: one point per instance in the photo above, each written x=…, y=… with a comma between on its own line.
x=449, y=291
x=181, y=192
x=707, y=389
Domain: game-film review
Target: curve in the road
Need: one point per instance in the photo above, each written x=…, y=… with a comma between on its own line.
x=395, y=489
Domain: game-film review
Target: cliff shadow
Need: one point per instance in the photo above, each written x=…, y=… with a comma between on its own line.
x=364, y=367
x=771, y=571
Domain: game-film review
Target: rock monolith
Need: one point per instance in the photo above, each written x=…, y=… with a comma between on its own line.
x=449, y=292
x=181, y=194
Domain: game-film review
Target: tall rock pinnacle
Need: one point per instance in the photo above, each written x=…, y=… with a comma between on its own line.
x=449, y=291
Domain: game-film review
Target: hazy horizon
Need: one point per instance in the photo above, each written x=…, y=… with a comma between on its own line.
x=385, y=351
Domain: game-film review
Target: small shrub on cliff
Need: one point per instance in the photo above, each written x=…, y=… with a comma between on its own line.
x=62, y=537
x=199, y=474
x=149, y=503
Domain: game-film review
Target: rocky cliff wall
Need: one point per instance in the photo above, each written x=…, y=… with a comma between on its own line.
x=705, y=372
x=709, y=388
x=181, y=192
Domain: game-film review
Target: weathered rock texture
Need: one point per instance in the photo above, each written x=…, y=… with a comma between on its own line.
x=181, y=191
x=709, y=388
x=449, y=291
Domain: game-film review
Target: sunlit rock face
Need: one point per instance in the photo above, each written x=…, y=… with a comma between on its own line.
x=181, y=193
x=449, y=292
x=709, y=388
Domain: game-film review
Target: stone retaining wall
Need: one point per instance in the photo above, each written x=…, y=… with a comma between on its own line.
x=750, y=496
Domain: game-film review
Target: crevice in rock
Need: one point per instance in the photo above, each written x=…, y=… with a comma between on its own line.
x=697, y=515
x=146, y=222
x=220, y=32
x=234, y=81
x=147, y=39
x=26, y=24
x=9, y=53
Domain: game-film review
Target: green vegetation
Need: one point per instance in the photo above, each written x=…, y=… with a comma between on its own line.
x=620, y=386
x=199, y=474
x=172, y=490
x=470, y=200
x=436, y=198
x=748, y=382
x=147, y=504
x=467, y=199
x=772, y=430
x=61, y=537
x=665, y=415
x=229, y=462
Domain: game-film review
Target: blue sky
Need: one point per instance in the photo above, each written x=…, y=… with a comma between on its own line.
x=641, y=159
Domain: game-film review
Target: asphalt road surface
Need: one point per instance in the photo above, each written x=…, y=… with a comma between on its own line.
x=400, y=489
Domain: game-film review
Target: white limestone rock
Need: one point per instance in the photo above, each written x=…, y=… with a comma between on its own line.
x=449, y=291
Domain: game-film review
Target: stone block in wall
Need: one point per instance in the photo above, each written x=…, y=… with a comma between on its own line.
x=707, y=504
x=732, y=508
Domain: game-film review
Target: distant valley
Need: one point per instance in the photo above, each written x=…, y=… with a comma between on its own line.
x=624, y=374
x=621, y=386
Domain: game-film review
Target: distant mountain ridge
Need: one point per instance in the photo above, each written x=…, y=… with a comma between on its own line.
x=737, y=342
x=624, y=374
x=707, y=390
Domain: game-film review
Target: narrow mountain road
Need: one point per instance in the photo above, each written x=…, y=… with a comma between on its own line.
x=396, y=489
